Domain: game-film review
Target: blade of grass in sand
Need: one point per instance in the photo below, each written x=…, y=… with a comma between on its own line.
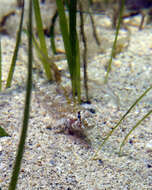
x=20, y=150
x=70, y=43
x=90, y=12
x=3, y=133
x=52, y=39
x=41, y=36
x=65, y=32
x=133, y=128
x=115, y=42
x=122, y=118
x=74, y=47
x=85, y=50
x=72, y=36
x=78, y=77
x=39, y=51
x=44, y=58
x=13, y=62
x=0, y=66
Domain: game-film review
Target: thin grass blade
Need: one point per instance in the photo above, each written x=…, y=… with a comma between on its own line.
x=71, y=44
x=84, y=40
x=122, y=118
x=134, y=127
x=41, y=36
x=3, y=133
x=0, y=66
x=72, y=35
x=13, y=62
x=115, y=41
x=75, y=64
x=78, y=76
x=20, y=150
x=65, y=32
x=52, y=36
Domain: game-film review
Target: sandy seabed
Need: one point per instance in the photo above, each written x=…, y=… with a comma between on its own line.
x=54, y=160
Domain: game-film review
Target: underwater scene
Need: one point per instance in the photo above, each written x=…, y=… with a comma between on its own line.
x=75, y=95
